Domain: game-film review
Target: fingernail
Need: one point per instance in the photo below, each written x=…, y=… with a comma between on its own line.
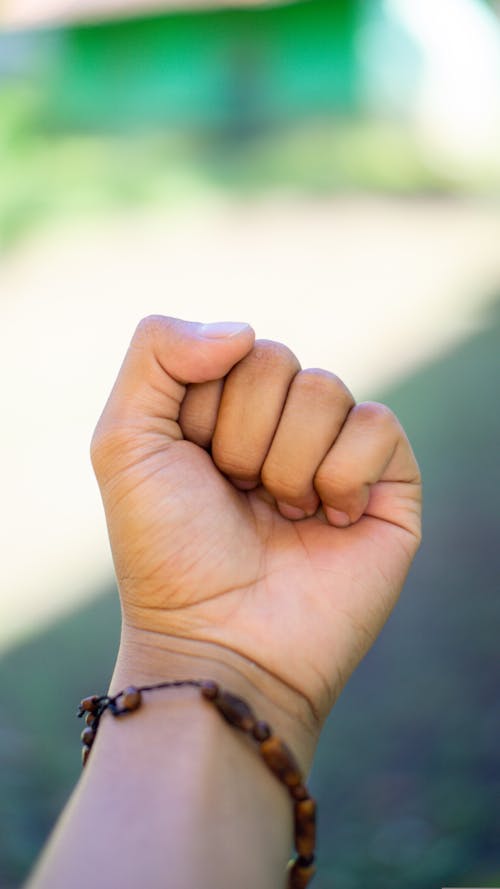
x=291, y=512
x=221, y=329
x=336, y=517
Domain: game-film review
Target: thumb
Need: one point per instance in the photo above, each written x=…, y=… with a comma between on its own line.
x=166, y=354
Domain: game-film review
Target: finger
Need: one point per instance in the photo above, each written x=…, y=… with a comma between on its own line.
x=316, y=407
x=251, y=404
x=164, y=355
x=372, y=447
x=199, y=410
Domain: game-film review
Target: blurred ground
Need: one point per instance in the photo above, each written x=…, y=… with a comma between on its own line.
x=368, y=287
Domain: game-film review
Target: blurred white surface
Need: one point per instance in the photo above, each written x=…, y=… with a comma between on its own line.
x=457, y=104
x=369, y=288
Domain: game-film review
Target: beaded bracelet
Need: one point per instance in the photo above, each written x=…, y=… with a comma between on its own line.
x=238, y=713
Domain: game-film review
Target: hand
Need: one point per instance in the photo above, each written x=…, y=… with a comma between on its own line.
x=204, y=433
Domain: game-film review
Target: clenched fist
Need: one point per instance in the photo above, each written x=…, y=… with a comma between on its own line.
x=258, y=517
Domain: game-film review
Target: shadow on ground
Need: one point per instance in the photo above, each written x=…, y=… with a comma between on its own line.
x=407, y=773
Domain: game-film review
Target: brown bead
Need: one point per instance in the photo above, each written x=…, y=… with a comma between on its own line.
x=90, y=719
x=130, y=699
x=88, y=736
x=281, y=761
x=261, y=731
x=300, y=875
x=209, y=689
x=89, y=704
x=235, y=711
x=305, y=827
x=299, y=792
x=85, y=754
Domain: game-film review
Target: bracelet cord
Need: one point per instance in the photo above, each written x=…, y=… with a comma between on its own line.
x=275, y=753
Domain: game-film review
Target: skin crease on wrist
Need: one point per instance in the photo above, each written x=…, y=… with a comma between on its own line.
x=262, y=525
x=143, y=660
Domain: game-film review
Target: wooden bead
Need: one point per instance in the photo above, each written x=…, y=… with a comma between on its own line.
x=305, y=827
x=88, y=736
x=235, y=711
x=209, y=689
x=299, y=792
x=89, y=704
x=301, y=875
x=281, y=761
x=261, y=731
x=85, y=754
x=130, y=699
x=90, y=719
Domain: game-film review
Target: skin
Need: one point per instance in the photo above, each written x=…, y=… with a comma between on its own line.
x=262, y=525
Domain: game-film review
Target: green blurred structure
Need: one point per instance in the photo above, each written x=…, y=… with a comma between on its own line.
x=149, y=110
x=239, y=69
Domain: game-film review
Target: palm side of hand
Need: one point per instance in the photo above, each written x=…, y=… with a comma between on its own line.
x=304, y=600
x=197, y=557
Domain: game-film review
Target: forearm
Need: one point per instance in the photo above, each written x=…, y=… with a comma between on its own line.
x=171, y=795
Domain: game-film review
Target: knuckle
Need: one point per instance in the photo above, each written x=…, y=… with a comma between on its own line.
x=268, y=353
x=148, y=327
x=324, y=385
x=374, y=413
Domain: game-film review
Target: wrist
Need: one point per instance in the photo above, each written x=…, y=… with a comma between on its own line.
x=146, y=658
x=170, y=789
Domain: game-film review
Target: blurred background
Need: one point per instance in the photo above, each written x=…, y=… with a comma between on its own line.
x=330, y=172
